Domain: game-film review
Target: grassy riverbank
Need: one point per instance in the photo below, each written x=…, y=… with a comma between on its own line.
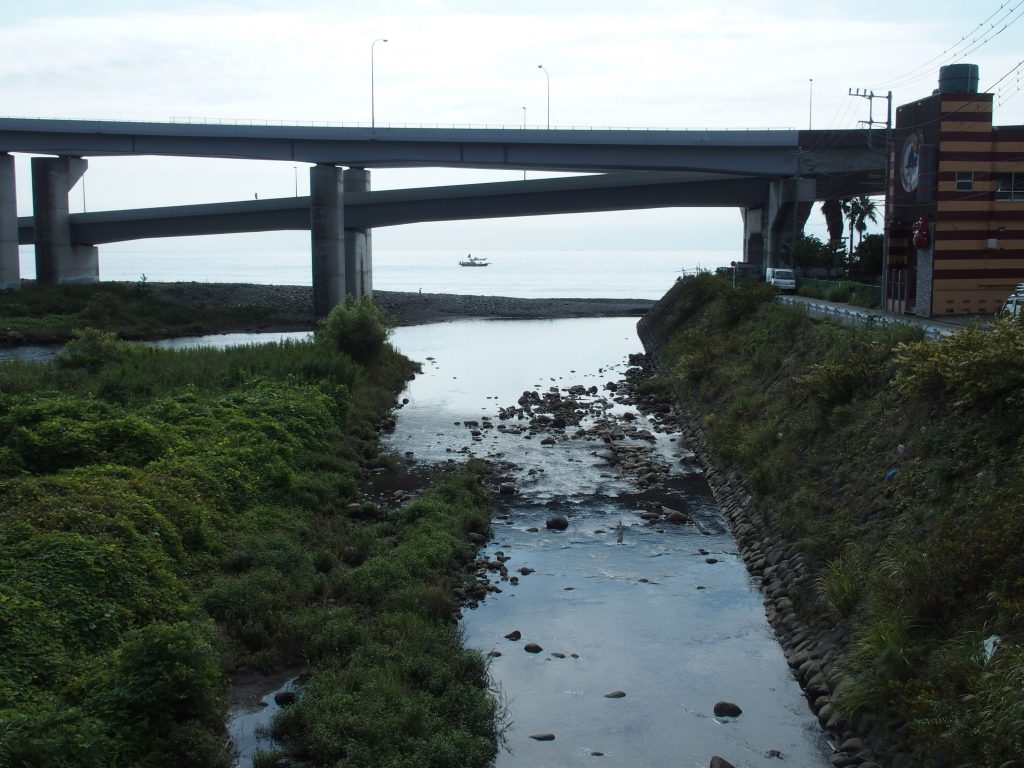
x=37, y=314
x=896, y=468
x=169, y=517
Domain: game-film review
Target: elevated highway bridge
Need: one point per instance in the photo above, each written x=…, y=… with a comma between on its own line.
x=772, y=176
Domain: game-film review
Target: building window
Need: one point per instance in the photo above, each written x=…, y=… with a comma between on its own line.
x=964, y=181
x=1010, y=186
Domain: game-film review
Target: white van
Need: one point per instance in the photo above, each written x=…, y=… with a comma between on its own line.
x=783, y=279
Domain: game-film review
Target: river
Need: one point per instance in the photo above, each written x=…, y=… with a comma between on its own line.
x=669, y=616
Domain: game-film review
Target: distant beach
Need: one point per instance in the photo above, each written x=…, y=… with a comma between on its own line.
x=291, y=306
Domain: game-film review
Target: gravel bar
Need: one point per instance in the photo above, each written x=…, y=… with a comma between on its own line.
x=292, y=305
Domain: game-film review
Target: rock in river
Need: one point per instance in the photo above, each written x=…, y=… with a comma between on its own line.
x=542, y=736
x=515, y=634
x=615, y=695
x=532, y=648
x=727, y=709
x=558, y=523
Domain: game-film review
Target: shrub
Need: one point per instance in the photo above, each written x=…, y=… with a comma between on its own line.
x=166, y=686
x=91, y=349
x=357, y=328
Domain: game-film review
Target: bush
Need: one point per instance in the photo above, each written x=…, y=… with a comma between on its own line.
x=166, y=686
x=91, y=349
x=357, y=328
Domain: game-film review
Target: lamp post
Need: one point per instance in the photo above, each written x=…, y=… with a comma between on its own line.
x=810, y=104
x=524, y=128
x=548, y=76
x=373, y=116
x=295, y=170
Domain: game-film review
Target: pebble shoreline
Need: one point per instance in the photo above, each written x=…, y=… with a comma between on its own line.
x=292, y=305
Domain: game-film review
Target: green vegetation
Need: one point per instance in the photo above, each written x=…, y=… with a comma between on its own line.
x=42, y=314
x=810, y=256
x=897, y=465
x=169, y=517
x=842, y=291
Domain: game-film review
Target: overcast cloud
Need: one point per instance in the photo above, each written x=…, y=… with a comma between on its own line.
x=645, y=63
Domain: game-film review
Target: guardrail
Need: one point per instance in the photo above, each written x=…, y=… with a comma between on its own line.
x=857, y=317
x=201, y=120
x=478, y=126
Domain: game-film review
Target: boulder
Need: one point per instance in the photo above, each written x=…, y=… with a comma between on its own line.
x=284, y=698
x=558, y=523
x=515, y=634
x=542, y=736
x=615, y=695
x=727, y=709
x=720, y=762
x=532, y=648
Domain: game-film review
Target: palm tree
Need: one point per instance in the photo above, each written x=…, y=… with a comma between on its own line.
x=866, y=211
x=833, y=211
x=858, y=211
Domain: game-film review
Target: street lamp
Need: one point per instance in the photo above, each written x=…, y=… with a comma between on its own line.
x=548, y=76
x=373, y=116
x=295, y=170
x=810, y=104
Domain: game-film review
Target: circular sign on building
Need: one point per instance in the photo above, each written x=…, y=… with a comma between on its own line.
x=910, y=161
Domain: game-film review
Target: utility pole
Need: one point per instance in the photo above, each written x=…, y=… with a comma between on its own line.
x=871, y=123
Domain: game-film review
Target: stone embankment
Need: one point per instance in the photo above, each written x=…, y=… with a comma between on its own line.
x=810, y=644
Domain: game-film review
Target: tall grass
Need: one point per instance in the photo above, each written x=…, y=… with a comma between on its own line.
x=167, y=517
x=896, y=465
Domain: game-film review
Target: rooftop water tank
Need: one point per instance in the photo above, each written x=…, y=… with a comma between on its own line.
x=958, y=78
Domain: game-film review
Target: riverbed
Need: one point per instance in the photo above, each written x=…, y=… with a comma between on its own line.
x=667, y=619
x=668, y=616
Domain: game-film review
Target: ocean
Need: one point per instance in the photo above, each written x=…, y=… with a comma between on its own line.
x=522, y=274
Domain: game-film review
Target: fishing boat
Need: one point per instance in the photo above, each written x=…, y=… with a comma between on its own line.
x=473, y=261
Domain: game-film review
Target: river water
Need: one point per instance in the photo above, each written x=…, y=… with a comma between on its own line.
x=669, y=616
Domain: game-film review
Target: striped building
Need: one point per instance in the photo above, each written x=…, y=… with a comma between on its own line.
x=955, y=203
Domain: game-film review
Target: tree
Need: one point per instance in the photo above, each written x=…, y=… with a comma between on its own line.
x=866, y=210
x=808, y=252
x=832, y=210
x=867, y=259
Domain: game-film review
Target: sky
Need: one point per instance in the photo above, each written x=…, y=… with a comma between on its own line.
x=642, y=63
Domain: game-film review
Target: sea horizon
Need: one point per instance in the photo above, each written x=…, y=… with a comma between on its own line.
x=519, y=274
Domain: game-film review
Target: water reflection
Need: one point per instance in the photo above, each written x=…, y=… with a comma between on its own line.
x=652, y=616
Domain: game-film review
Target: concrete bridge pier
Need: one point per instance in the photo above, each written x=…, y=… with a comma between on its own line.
x=753, y=236
x=58, y=260
x=789, y=204
x=358, y=243
x=770, y=229
x=10, y=271
x=327, y=233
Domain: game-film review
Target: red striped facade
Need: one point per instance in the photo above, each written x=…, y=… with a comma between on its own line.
x=962, y=180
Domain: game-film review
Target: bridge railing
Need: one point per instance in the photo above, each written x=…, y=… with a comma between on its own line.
x=200, y=120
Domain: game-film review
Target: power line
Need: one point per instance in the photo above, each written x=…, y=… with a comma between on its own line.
x=969, y=42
